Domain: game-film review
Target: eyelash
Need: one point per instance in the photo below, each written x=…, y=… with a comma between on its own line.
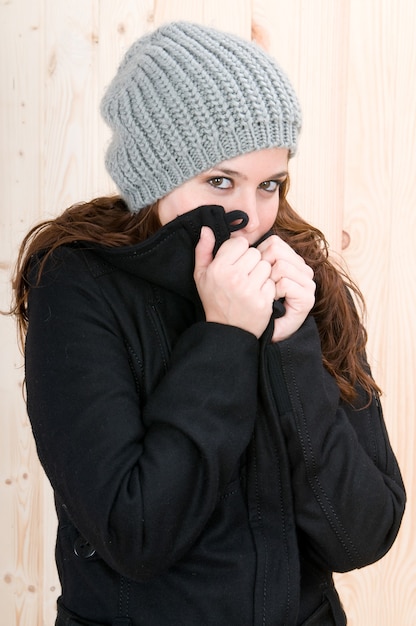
x=267, y=182
x=219, y=178
x=212, y=182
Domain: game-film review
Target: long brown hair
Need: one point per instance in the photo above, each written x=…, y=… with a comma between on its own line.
x=342, y=333
x=107, y=221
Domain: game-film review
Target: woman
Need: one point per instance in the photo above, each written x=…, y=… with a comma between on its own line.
x=208, y=422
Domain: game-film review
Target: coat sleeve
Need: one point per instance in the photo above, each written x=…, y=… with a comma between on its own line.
x=348, y=493
x=138, y=485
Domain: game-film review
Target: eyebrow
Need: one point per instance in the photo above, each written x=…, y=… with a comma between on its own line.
x=236, y=174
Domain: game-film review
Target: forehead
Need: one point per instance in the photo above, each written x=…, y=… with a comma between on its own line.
x=273, y=159
x=258, y=157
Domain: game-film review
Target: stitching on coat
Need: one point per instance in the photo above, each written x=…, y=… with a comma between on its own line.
x=228, y=494
x=376, y=456
x=139, y=362
x=124, y=597
x=260, y=519
x=121, y=595
x=282, y=510
x=151, y=313
x=312, y=476
x=142, y=253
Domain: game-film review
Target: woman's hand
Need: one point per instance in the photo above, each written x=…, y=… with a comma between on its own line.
x=293, y=281
x=235, y=287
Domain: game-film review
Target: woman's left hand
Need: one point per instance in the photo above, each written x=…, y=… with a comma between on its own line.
x=294, y=282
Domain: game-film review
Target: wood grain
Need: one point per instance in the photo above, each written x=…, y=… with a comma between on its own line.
x=380, y=169
x=232, y=16
x=309, y=40
x=352, y=64
x=20, y=474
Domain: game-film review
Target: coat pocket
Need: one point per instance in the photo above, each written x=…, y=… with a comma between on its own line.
x=323, y=616
x=67, y=618
x=329, y=613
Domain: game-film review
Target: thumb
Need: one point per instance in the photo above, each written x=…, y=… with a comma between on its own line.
x=204, y=251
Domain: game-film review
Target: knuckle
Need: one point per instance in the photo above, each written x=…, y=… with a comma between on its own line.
x=265, y=264
x=274, y=239
x=254, y=253
x=240, y=241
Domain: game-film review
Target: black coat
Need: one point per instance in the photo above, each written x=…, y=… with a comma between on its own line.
x=201, y=476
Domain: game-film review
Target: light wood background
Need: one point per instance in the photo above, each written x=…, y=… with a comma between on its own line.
x=353, y=63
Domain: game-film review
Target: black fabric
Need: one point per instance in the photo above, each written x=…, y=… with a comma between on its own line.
x=323, y=616
x=217, y=476
x=67, y=618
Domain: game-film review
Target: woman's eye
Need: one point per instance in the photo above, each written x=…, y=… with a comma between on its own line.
x=220, y=182
x=270, y=185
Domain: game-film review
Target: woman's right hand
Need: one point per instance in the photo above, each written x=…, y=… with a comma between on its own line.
x=235, y=286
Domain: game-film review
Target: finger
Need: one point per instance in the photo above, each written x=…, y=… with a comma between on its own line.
x=274, y=249
x=302, y=274
x=297, y=297
x=268, y=290
x=274, y=241
x=248, y=261
x=204, y=250
x=261, y=273
x=236, y=255
x=232, y=249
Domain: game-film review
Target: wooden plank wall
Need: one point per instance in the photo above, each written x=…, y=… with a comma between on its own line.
x=353, y=63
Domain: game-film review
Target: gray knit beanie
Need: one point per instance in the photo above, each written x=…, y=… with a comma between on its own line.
x=187, y=97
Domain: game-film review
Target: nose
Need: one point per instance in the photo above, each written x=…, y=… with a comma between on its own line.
x=248, y=204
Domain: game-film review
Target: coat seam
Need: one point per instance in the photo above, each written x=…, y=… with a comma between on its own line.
x=310, y=464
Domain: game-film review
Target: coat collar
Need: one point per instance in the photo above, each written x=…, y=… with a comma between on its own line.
x=167, y=258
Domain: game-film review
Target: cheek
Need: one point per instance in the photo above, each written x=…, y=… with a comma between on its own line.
x=170, y=207
x=270, y=214
x=182, y=200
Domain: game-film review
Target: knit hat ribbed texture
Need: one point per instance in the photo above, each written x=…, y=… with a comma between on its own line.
x=187, y=97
